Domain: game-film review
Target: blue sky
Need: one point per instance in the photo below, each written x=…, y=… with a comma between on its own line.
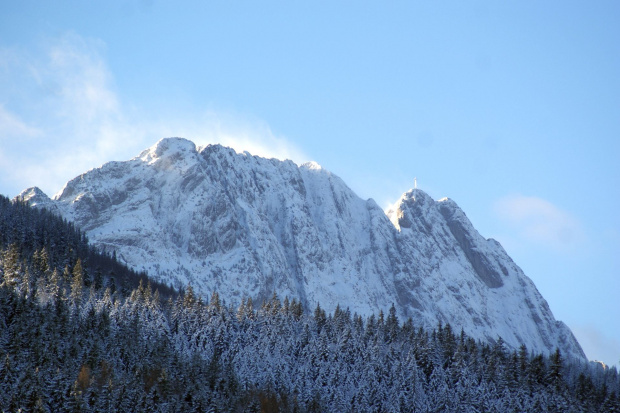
x=512, y=109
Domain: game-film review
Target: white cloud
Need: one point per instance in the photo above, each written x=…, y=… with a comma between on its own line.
x=83, y=80
x=241, y=133
x=537, y=220
x=65, y=117
x=65, y=91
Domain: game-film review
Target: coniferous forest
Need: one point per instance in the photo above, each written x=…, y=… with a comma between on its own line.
x=81, y=332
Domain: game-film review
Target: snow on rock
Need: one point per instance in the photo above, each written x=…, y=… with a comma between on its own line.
x=248, y=227
x=36, y=198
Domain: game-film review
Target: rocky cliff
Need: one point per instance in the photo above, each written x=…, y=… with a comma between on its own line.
x=248, y=227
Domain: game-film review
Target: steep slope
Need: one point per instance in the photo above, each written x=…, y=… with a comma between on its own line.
x=471, y=281
x=248, y=227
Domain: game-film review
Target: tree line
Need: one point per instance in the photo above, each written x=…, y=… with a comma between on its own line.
x=81, y=332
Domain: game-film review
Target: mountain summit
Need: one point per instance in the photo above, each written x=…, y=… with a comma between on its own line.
x=246, y=226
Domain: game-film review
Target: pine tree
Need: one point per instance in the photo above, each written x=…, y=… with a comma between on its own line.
x=98, y=280
x=77, y=283
x=215, y=306
x=392, y=328
x=319, y=317
x=189, y=298
x=12, y=268
x=555, y=369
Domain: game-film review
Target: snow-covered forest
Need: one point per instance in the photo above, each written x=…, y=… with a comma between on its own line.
x=81, y=332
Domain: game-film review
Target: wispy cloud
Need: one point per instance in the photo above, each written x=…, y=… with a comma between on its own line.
x=537, y=220
x=242, y=133
x=594, y=341
x=60, y=115
x=12, y=126
x=82, y=80
x=58, y=105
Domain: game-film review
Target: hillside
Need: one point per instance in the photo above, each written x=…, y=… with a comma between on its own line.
x=68, y=343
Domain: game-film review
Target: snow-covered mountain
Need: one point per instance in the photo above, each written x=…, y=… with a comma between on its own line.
x=248, y=227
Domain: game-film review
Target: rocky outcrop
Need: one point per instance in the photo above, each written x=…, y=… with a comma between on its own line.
x=248, y=227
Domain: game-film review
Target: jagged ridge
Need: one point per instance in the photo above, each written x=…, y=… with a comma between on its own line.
x=248, y=227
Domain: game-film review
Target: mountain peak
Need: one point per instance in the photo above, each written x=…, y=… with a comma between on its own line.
x=312, y=166
x=34, y=196
x=411, y=203
x=216, y=148
x=168, y=147
x=418, y=196
x=31, y=193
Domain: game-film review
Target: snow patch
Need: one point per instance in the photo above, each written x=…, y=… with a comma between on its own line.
x=312, y=166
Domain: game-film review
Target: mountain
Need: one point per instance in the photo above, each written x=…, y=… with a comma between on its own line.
x=246, y=226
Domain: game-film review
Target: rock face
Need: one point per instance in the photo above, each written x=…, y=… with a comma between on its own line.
x=248, y=227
